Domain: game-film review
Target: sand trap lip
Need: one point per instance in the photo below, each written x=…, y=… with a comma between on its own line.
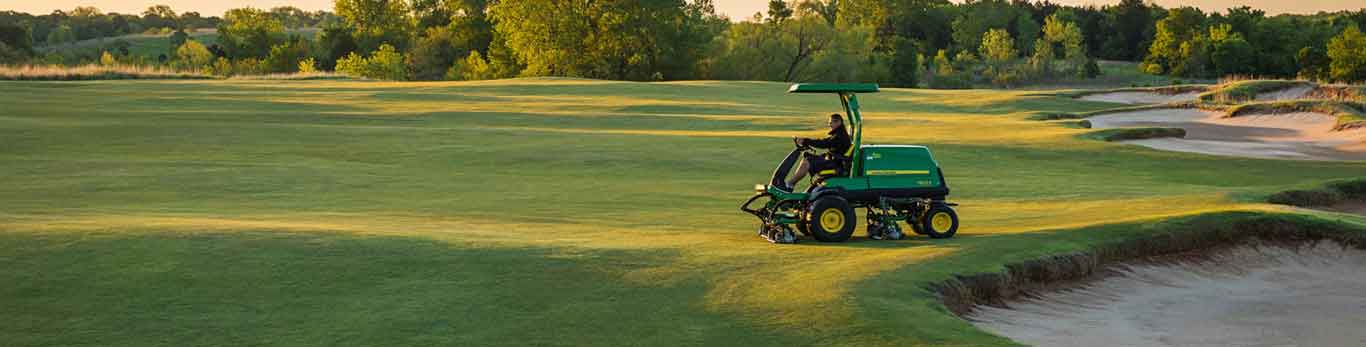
x=1354, y=207
x=1141, y=97
x=1302, y=135
x=1292, y=93
x=1254, y=295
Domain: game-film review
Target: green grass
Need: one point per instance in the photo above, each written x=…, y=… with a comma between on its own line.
x=531, y=211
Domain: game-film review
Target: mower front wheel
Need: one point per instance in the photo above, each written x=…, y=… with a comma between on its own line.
x=831, y=219
x=940, y=222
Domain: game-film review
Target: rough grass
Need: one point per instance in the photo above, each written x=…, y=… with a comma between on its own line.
x=93, y=72
x=1123, y=134
x=530, y=211
x=1239, y=91
x=1327, y=195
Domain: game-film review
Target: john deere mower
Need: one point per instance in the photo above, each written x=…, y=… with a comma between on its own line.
x=894, y=183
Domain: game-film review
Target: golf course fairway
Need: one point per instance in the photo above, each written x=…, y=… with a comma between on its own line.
x=540, y=211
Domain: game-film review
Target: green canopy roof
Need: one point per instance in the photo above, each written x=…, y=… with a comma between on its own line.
x=833, y=88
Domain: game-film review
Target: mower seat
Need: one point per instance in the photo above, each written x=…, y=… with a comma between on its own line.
x=841, y=171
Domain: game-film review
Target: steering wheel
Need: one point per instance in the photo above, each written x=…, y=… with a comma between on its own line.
x=797, y=141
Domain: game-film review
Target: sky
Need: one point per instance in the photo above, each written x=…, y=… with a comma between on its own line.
x=735, y=9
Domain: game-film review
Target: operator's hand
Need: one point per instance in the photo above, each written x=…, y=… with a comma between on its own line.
x=801, y=142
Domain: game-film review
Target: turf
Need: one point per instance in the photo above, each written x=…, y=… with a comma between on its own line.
x=530, y=212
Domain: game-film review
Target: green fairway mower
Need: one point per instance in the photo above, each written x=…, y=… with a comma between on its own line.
x=894, y=183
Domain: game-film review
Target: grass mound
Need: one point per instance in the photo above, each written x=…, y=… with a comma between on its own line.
x=1246, y=90
x=1046, y=116
x=1124, y=134
x=1328, y=195
x=93, y=72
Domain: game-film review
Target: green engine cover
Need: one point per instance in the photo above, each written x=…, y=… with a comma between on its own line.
x=899, y=167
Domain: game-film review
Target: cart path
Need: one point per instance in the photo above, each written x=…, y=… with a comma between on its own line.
x=1245, y=296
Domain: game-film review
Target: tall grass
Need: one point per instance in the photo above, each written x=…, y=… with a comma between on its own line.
x=94, y=72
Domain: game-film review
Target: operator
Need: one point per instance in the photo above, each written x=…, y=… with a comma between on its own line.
x=836, y=144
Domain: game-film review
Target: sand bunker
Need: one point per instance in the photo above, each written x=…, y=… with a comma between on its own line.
x=1141, y=97
x=1303, y=135
x=1245, y=296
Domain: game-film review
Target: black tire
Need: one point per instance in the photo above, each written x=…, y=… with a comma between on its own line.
x=940, y=222
x=831, y=219
x=915, y=227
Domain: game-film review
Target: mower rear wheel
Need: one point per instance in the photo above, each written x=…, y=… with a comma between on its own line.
x=940, y=222
x=831, y=219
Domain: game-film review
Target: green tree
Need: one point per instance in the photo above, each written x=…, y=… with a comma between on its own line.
x=998, y=50
x=1131, y=28
x=377, y=22
x=1041, y=62
x=976, y=18
x=1347, y=53
x=285, y=56
x=997, y=47
x=249, y=32
x=178, y=38
x=160, y=16
x=905, y=67
x=621, y=39
x=778, y=11
x=334, y=42
x=433, y=54
x=1313, y=63
x=827, y=9
x=1181, y=25
x=1230, y=53
x=62, y=34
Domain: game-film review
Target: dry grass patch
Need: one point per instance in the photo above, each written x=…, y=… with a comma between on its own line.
x=94, y=72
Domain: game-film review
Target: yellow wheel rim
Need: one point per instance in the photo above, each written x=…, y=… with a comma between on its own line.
x=941, y=222
x=832, y=220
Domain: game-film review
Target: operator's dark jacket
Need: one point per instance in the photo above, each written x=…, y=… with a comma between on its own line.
x=837, y=143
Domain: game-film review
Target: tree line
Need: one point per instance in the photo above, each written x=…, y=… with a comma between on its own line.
x=932, y=43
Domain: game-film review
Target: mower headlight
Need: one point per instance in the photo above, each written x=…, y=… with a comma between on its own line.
x=760, y=188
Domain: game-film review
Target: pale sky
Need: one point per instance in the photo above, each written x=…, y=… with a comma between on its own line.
x=736, y=9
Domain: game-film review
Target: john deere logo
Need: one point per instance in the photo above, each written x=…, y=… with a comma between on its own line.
x=875, y=156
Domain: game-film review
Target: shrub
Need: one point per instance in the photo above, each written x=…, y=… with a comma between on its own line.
x=385, y=63
x=192, y=55
x=308, y=66
x=1123, y=134
x=221, y=66
x=107, y=59
x=472, y=68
